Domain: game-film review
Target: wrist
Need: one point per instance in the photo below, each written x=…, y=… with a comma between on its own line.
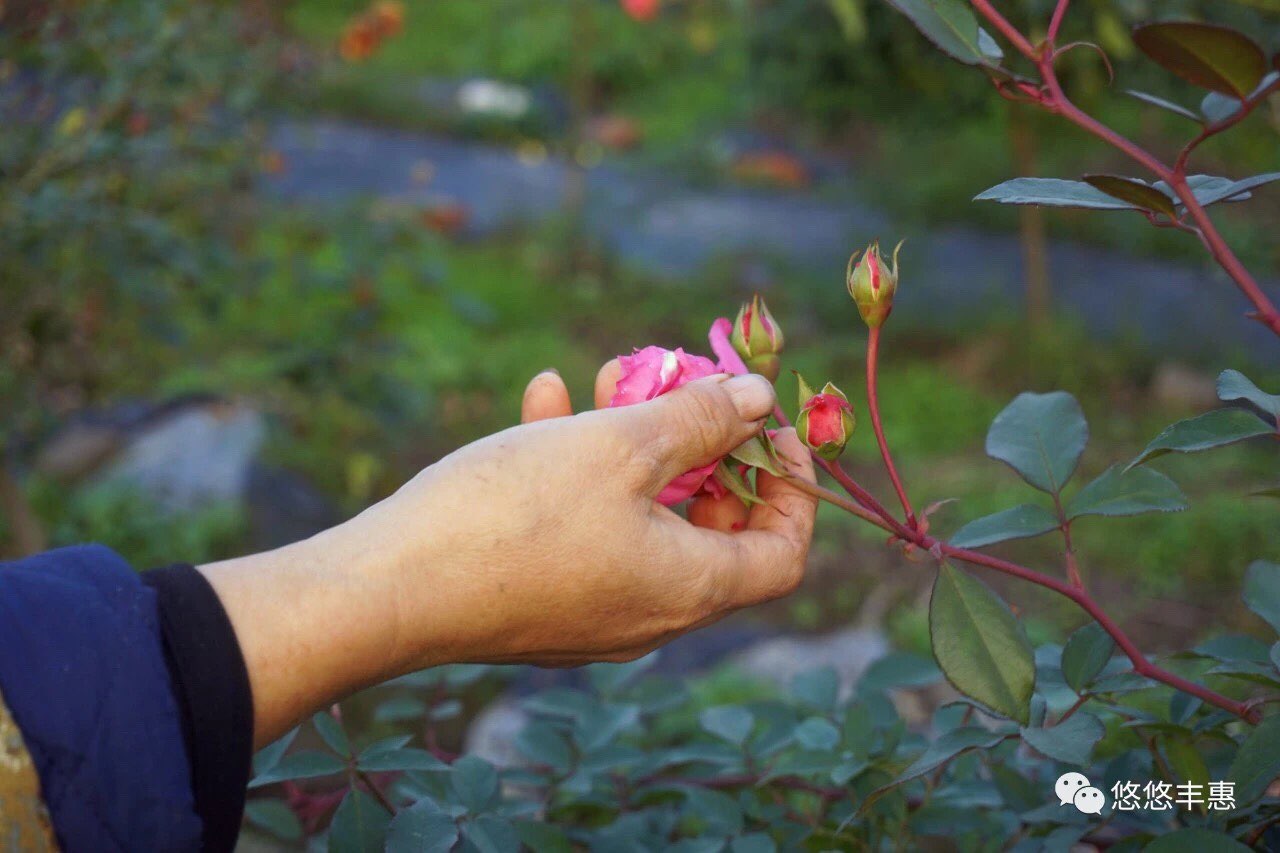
x=314, y=620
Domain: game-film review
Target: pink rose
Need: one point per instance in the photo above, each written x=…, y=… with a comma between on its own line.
x=652, y=372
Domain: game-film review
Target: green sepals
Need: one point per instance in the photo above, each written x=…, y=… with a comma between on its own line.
x=736, y=484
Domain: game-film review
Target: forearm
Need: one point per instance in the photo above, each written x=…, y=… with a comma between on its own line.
x=315, y=621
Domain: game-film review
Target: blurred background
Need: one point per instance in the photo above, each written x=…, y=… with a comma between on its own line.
x=260, y=262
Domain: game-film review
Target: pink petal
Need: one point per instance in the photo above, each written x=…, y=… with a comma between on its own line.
x=730, y=361
x=686, y=485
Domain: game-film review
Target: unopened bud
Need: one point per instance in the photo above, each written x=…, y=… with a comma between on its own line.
x=825, y=423
x=758, y=338
x=872, y=284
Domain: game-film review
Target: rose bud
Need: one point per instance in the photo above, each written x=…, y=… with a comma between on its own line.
x=758, y=338
x=872, y=284
x=826, y=420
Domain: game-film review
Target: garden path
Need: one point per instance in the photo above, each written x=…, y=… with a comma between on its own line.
x=664, y=225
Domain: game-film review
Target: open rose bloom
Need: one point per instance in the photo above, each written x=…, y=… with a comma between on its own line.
x=651, y=372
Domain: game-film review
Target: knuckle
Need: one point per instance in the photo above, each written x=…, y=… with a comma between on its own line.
x=700, y=418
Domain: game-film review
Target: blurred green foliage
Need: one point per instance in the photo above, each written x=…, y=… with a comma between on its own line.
x=126, y=153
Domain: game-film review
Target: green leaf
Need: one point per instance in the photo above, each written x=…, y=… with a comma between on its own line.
x=301, y=765
x=1228, y=190
x=359, y=825
x=422, y=828
x=331, y=732
x=601, y=724
x=399, y=709
x=947, y=746
x=491, y=834
x=818, y=688
x=899, y=669
x=1019, y=522
x=401, y=759
x=1206, y=55
x=1136, y=192
x=269, y=756
x=1234, y=385
x=736, y=484
x=1217, y=107
x=541, y=743
x=1195, y=840
x=1204, y=432
x=953, y=29
x=1070, y=741
x=717, y=810
x=1052, y=192
x=543, y=837
x=1262, y=591
x=275, y=817
x=979, y=645
x=1121, y=492
x=1085, y=655
x=1041, y=436
x=1266, y=492
x=1185, y=760
x=475, y=781
x=731, y=722
x=1177, y=109
x=386, y=744
x=756, y=453
x=754, y=842
x=609, y=678
x=1257, y=763
x=817, y=733
x=1230, y=648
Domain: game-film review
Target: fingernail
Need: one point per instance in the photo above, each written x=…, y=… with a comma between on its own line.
x=752, y=396
x=548, y=370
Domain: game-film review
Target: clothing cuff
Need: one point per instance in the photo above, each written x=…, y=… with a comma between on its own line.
x=215, y=702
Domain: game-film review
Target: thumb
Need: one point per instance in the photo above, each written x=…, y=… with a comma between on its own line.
x=701, y=422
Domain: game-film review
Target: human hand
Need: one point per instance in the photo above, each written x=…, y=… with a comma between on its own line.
x=556, y=552
x=547, y=397
x=539, y=544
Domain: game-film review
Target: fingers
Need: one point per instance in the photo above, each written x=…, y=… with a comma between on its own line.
x=697, y=424
x=545, y=397
x=725, y=514
x=607, y=382
x=767, y=559
x=787, y=511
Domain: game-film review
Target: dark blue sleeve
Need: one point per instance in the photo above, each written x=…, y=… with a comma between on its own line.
x=83, y=672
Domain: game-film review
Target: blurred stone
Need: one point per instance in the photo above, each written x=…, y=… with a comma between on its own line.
x=1185, y=387
x=77, y=451
x=492, y=734
x=192, y=458
x=494, y=98
x=284, y=507
x=849, y=652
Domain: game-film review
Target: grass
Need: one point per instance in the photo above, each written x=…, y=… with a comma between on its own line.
x=672, y=76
